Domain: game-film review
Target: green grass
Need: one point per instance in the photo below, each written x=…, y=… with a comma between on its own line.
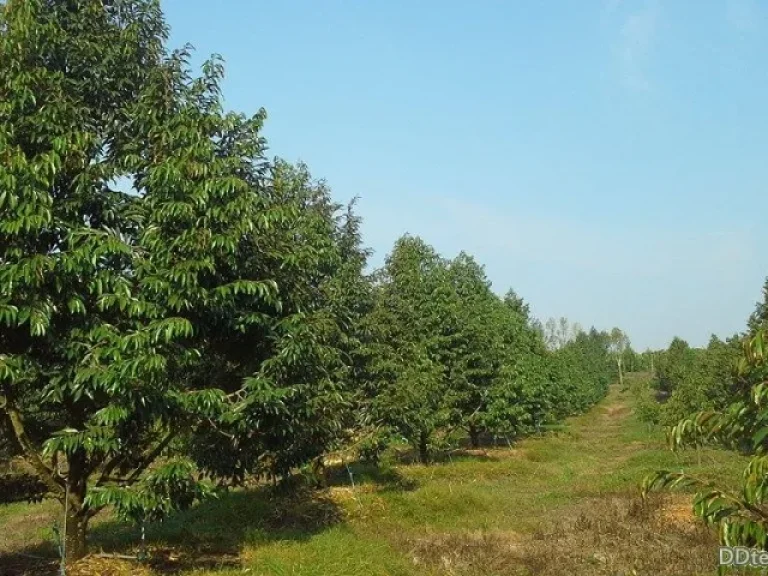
x=563, y=503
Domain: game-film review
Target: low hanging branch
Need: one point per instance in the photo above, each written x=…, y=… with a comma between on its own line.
x=151, y=457
x=45, y=473
x=146, y=461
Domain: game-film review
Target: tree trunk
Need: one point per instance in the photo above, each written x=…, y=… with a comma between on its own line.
x=75, y=543
x=474, y=436
x=621, y=373
x=77, y=512
x=423, y=448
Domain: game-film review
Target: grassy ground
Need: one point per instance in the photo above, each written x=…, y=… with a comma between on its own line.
x=563, y=504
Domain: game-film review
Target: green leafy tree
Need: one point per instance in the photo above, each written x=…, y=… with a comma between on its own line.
x=646, y=361
x=282, y=369
x=712, y=383
x=583, y=371
x=618, y=346
x=740, y=516
x=516, y=303
x=520, y=399
x=78, y=345
x=674, y=366
x=407, y=382
x=473, y=350
x=630, y=360
x=194, y=327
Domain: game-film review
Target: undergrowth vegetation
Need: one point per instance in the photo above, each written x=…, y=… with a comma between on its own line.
x=566, y=502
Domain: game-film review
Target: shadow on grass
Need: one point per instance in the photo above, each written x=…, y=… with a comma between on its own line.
x=213, y=533
x=210, y=535
x=35, y=560
x=411, y=456
x=26, y=540
x=486, y=441
x=384, y=478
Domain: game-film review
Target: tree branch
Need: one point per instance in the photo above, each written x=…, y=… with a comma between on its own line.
x=46, y=474
x=151, y=456
x=109, y=467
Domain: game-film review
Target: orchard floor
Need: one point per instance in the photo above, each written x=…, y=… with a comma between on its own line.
x=566, y=503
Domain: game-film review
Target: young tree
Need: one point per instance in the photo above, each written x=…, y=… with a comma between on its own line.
x=407, y=381
x=630, y=360
x=517, y=399
x=472, y=351
x=674, y=366
x=619, y=344
x=522, y=395
x=582, y=370
x=711, y=384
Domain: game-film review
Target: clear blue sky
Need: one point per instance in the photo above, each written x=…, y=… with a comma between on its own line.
x=606, y=159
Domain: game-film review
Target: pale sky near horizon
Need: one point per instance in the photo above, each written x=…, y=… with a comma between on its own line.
x=606, y=158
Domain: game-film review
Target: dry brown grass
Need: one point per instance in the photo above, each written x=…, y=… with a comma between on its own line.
x=475, y=553
x=616, y=412
x=493, y=453
x=609, y=536
x=94, y=566
x=624, y=535
x=163, y=562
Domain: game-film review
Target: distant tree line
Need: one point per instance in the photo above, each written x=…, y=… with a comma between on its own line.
x=688, y=380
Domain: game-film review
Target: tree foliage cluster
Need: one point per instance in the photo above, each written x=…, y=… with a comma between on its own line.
x=688, y=380
x=723, y=400
x=179, y=312
x=478, y=362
